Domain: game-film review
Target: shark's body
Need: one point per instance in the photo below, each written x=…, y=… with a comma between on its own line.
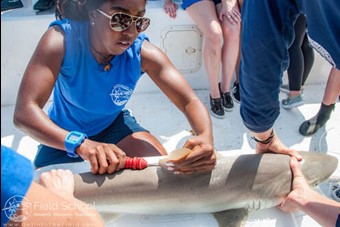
x=244, y=181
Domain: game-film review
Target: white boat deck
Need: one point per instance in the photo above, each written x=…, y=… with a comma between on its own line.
x=231, y=137
x=156, y=113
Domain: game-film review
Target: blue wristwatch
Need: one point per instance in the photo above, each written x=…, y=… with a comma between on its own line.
x=73, y=140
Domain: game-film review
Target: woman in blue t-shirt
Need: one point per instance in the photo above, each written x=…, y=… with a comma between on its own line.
x=92, y=58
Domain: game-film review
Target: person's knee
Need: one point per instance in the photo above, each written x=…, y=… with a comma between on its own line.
x=142, y=143
x=214, y=35
x=231, y=32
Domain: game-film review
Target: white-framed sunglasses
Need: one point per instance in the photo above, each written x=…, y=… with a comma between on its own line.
x=121, y=21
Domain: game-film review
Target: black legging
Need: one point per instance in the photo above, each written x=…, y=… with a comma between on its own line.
x=301, y=56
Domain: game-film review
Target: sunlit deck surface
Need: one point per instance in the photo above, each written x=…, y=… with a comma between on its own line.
x=156, y=113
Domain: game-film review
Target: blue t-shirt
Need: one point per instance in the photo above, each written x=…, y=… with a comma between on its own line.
x=16, y=178
x=86, y=98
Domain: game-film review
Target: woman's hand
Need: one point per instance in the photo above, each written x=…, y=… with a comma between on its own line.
x=301, y=190
x=59, y=181
x=201, y=159
x=170, y=8
x=231, y=11
x=103, y=157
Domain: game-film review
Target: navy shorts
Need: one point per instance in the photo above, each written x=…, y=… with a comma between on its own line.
x=187, y=3
x=124, y=125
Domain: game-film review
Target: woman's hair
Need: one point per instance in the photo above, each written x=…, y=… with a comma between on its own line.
x=76, y=9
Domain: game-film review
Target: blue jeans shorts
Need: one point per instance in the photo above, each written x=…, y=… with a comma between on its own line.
x=124, y=125
x=187, y=3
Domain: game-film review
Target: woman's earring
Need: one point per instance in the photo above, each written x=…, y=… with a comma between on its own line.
x=92, y=23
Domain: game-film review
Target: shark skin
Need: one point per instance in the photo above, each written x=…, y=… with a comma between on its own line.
x=248, y=182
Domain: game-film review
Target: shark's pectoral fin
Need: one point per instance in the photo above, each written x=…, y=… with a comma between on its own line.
x=231, y=218
x=109, y=217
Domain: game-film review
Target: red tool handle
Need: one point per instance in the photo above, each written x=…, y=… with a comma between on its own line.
x=135, y=163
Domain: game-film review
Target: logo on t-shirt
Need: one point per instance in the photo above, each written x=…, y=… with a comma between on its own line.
x=120, y=94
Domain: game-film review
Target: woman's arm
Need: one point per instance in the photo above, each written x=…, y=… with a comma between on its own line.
x=36, y=87
x=324, y=210
x=177, y=89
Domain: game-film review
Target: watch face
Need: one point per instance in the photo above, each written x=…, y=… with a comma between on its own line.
x=72, y=141
x=73, y=137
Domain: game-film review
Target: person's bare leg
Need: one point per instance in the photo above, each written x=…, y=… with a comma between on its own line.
x=331, y=94
x=204, y=15
x=294, y=93
x=142, y=144
x=238, y=64
x=332, y=90
x=230, y=51
x=236, y=84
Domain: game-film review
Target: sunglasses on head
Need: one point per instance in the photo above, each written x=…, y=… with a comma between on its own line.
x=122, y=21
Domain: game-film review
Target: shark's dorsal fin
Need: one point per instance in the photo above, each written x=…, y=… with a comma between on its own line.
x=231, y=218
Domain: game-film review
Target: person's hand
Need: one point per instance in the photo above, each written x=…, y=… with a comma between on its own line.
x=278, y=147
x=170, y=8
x=59, y=181
x=103, y=157
x=300, y=189
x=231, y=11
x=201, y=159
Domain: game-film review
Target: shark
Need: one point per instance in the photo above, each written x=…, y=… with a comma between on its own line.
x=236, y=185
